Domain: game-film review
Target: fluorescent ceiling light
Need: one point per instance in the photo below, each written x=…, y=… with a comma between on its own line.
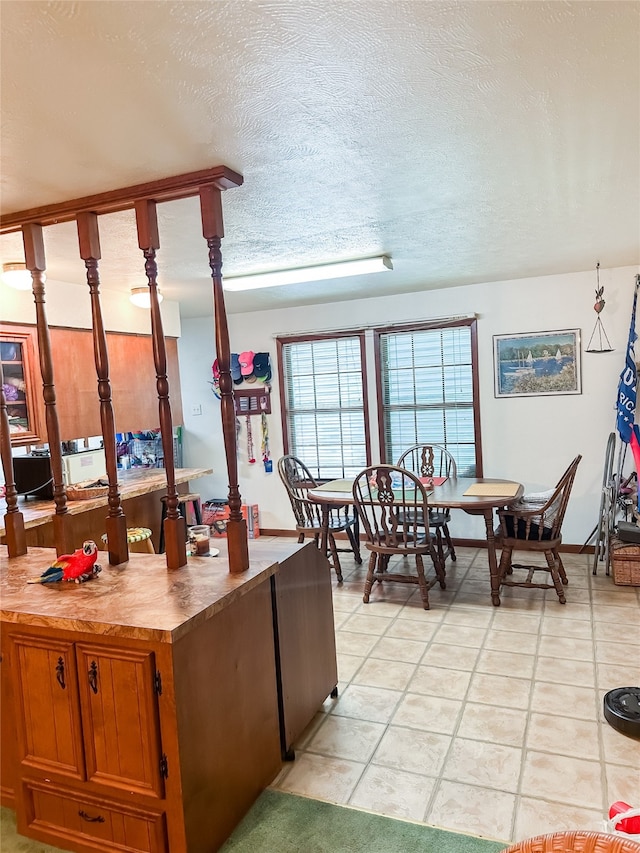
x=140, y=296
x=302, y=274
x=16, y=275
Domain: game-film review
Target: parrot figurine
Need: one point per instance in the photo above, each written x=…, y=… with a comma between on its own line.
x=79, y=567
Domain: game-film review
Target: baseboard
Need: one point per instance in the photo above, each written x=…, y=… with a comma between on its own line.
x=460, y=543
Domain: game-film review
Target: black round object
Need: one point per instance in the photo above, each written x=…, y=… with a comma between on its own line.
x=622, y=710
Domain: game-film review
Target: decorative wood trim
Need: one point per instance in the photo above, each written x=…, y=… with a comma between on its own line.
x=116, y=523
x=167, y=189
x=213, y=231
x=175, y=531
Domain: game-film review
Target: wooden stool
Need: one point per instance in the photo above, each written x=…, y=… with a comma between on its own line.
x=139, y=537
x=192, y=498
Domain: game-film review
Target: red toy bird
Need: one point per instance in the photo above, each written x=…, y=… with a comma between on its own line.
x=79, y=566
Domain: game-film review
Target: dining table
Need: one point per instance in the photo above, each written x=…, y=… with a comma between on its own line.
x=474, y=495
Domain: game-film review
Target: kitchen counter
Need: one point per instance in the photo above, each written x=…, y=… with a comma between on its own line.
x=140, y=599
x=133, y=483
x=141, y=490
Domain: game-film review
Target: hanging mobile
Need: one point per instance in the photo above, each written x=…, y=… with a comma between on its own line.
x=603, y=340
x=250, y=441
x=268, y=464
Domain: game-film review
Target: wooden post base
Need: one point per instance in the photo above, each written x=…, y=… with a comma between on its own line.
x=238, y=546
x=16, y=538
x=117, y=539
x=175, y=539
x=63, y=534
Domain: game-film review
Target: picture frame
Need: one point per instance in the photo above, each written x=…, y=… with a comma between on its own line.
x=535, y=364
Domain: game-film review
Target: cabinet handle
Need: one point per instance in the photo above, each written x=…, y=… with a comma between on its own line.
x=93, y=676
x=85, y=816
x=60, y=673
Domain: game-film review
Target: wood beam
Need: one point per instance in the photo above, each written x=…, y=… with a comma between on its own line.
x=167, y=189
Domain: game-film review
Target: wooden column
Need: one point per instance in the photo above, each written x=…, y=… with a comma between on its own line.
x=13, y=520
x=175, y=531
x=116, y=522
x=35, y=258
x=213, y=231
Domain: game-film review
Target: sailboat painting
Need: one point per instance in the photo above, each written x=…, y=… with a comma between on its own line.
x=537, y=363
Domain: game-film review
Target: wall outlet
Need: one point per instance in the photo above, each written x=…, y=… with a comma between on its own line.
x=197, y=409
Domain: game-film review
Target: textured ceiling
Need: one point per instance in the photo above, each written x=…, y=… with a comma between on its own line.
x=470, y=141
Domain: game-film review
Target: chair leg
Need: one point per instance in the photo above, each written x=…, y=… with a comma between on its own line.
x=301, y=539
x=555, y=574
x=355, y=544
x=422, y=583
x=334, y=555
x=504, y=567
x=447, y=536
x=561, y=571
x=439, y=546
x=369, y=580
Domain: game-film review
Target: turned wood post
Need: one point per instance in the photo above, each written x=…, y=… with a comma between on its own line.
x=175, y=530
x=213, y=231
x=35, y=258
x=13, y=520
x=116, y=522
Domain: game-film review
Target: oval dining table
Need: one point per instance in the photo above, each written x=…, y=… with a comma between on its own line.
x=452, y=494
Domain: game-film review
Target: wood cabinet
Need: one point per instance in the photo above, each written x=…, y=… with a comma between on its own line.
x=131, y=371
x=18, y=354
x=144, y=746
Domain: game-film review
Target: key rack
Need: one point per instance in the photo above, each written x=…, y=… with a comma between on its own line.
x=254, y=402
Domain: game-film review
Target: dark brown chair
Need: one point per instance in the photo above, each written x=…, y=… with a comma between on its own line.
x=433, y=460
x=534, y=525
x=392, y=505
x=298, y=480
x=576, y=841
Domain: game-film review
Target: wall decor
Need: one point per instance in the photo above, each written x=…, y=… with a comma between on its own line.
x=599, y=342
x=535, y=364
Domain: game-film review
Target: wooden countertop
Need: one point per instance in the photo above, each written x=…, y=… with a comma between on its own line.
x=134, y=482
x=140, y=599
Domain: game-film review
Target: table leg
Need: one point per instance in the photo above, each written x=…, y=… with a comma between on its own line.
x=491, y=552
x=493, y=559
x=324, y=535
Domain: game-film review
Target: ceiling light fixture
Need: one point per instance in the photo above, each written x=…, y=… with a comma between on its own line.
x=16, y=275
x=140, y=296
x=303, y=274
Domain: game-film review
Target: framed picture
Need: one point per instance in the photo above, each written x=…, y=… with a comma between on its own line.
x=537, y=363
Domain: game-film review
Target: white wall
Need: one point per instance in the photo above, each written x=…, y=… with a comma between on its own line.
x=530, y=439
x=70, y=305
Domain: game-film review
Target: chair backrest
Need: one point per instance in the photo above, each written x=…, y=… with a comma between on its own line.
x=428, y=460
x=542, y=521
x=392, y=505
x=298, y=480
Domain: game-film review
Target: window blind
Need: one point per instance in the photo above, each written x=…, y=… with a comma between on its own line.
x=427, y=393
x=324, y=400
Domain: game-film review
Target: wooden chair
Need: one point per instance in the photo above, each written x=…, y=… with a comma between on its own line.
x=392, y=505
x=433, y=460
x=298, y=480
x=577, y=841
x=534, y=525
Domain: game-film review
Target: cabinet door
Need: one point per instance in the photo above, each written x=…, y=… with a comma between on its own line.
x=120, y=718
x=22, y=393
x=46, y=689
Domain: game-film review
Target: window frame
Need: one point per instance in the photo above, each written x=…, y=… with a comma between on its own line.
x=284, y=340
x=425, y=326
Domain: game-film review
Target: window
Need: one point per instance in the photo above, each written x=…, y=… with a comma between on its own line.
x=324, y=404
x=428, y=392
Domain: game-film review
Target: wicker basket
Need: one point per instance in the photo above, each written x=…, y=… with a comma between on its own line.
x=86, y=490
x=625, y=562
x=576, y=842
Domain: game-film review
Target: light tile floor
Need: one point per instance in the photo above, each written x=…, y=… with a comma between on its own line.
x=475, y=718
